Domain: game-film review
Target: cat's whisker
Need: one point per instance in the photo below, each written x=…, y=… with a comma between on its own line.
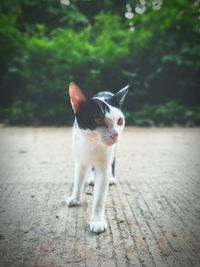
x=92, y=145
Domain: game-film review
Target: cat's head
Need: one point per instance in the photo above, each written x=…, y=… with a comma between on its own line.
x=100, y=114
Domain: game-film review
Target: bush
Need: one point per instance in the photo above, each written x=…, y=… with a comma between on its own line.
x=169, y=114
x=160, y=60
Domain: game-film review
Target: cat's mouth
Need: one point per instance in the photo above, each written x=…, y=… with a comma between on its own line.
x=110, y=142
x=112, y=139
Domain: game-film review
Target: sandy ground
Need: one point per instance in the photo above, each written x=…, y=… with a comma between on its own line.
x=153, y=212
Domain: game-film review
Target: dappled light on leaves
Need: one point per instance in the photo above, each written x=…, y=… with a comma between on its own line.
x=156, y=4
x=129, y=15
x=65, y=2
x=196, y=6
x=196, y=3
x=132, y=29
x=140, y=9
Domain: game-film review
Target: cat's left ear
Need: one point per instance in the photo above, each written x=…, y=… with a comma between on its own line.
x=76, y=96
x=119, y=97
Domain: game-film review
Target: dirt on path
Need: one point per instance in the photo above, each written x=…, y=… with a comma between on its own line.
x=153, y=211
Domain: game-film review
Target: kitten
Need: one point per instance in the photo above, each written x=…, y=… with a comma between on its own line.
x=96, y=131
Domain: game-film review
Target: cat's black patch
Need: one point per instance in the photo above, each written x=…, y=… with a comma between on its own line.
x=97, y=107
x=115, y=100
x=118, y=98
x=107, y=96
x=88, y=111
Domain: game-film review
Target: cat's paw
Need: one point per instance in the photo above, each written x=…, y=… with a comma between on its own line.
x=98, y=226
x=72, y=201
x=112, y=180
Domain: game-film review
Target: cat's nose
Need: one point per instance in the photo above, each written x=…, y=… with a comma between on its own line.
x=114, y=135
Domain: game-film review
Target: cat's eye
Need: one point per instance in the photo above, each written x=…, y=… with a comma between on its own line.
x=120, y=121
x=99, y=121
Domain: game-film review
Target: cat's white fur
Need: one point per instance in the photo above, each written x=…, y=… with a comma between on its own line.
x=95, y=148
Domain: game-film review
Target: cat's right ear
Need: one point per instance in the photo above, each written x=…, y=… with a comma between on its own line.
x=119, y=97
x=76, y=96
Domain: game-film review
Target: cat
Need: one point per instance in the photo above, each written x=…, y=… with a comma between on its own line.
x=98, y=124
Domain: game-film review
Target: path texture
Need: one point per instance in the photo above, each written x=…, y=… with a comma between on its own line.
x=153, y=212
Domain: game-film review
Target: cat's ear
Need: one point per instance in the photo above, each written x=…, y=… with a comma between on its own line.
x=118, y=98
x=76, y=96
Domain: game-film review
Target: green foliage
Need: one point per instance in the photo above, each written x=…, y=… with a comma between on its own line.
x=169, y=114
x=44, y=45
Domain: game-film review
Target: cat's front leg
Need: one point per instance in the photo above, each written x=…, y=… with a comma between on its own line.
x=98, y=223
x=80, y=173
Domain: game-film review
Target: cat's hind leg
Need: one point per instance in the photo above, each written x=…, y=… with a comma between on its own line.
x=80, y=173
x=91, y=177
x=112, y=179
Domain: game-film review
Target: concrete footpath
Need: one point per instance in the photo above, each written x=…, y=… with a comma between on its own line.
x=153, y=211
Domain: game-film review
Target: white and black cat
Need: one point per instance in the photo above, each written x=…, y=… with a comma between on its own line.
x=98, y=124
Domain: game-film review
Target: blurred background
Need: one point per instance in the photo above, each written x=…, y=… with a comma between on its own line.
x=154, y=46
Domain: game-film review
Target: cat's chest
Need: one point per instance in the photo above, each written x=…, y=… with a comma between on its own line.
x=88, y=148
